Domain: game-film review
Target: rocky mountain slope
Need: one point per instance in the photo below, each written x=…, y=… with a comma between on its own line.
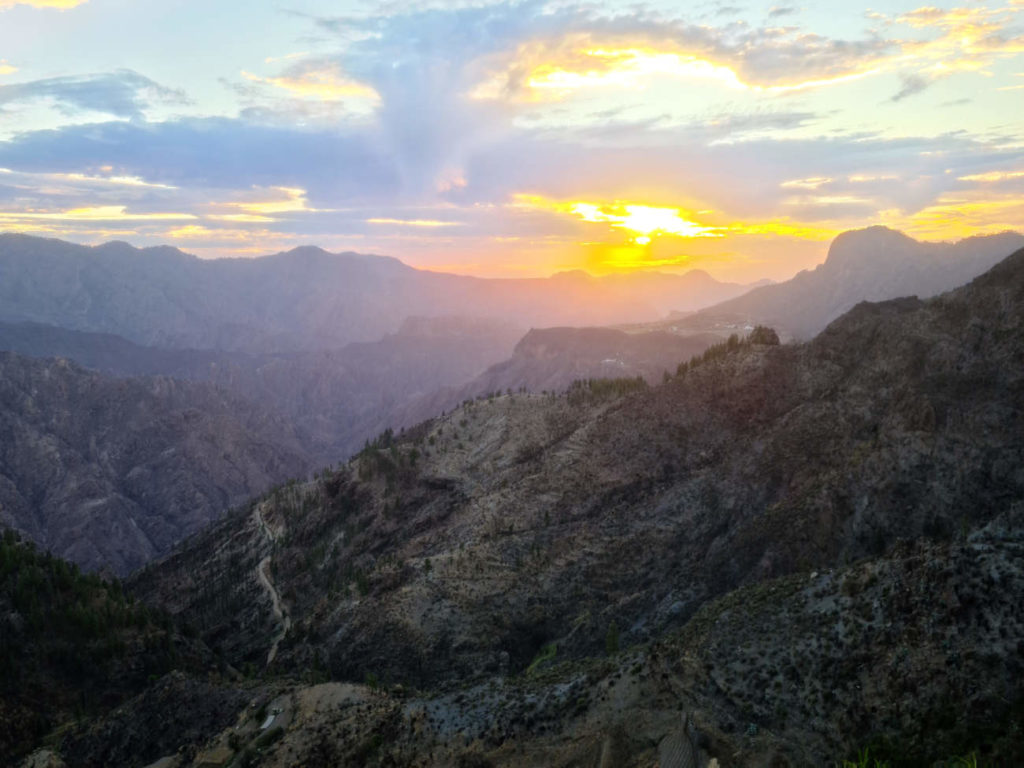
x=334, y=398
x=914, y=656
x=872, y=264
x=755, y=507
x=304, y=299
x=111, y=472
x=552, y=358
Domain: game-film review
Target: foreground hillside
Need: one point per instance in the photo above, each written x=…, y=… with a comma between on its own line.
x=112, y=472
x=769, y=533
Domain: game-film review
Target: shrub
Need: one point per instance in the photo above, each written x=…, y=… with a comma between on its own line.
x=611, y=639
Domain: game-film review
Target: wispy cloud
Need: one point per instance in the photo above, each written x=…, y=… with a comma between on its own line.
x=61, y=5
x=316, y=79
x=123, y=93
x=428, y=223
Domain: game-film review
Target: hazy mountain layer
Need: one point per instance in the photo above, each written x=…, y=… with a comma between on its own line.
x=551, y=359
x=306, y=298
x=871, y=264
x=111, y=472
x=334, y=398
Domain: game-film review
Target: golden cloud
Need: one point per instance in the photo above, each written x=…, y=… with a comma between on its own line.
x=328, y=84
x=993, y=176
x=648, y=222
x=61, y=5
x=427, y=223
x=963, y=39
x=274, y=200
x=94, y=213
x=955, y=216
x=588, y=67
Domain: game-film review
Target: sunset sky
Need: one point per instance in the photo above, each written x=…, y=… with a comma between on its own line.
x=512, y=139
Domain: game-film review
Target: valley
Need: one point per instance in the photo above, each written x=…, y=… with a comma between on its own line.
x=734, y=558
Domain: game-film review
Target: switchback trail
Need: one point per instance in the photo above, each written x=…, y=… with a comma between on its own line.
x=263, y=574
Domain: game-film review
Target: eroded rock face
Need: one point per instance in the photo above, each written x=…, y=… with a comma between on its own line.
x=914, y=654
x=522, y=521
x=109, y=473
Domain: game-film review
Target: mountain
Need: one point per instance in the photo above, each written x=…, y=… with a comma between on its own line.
x=305, y=299
x=111, y=472
x=551, y=359
x=334, y=398
x=782, y=555
x=872, y=264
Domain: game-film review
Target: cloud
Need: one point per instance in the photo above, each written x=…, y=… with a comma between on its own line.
x=911, y=86
x=782, y=10
x=61, y=5
x=123, y=93
x=108, y=213
x=993, y=176
x=428, y=223
x=317, y=79
x=6, y=68
x=425, y=127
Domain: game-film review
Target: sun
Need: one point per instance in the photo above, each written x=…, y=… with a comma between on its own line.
x=644, y=220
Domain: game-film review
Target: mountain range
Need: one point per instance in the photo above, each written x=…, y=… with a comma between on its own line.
x=304, y=299
x=779, y=554
x=258, y=327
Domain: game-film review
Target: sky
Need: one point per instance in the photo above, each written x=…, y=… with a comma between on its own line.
x=512, y=139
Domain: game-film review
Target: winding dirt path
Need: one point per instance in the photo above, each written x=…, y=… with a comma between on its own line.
x=263, y=574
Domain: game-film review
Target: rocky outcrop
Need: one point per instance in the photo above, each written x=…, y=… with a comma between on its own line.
x=872, y=264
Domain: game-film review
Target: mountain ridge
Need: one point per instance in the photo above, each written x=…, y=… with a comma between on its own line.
x=873, y=264
x=110, y=472
x=306, y=298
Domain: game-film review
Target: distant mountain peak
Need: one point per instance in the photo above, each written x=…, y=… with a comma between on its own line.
x=573, y=275
x=858, y=247
x=306, y=252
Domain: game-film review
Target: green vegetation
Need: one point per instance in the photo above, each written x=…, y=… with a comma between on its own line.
x=584, y=390
x=865, y=759
x=611, y=639
x=70, y=643
x=761, y=336
x=547, y=654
